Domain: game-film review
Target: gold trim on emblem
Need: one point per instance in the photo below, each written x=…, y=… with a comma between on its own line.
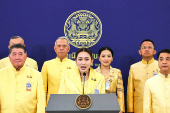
x=83, y=29
x=83, y=101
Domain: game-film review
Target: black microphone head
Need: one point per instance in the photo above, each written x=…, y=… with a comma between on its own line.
x=84, y=74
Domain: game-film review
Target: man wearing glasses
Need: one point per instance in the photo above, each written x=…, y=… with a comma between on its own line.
x=138, y=74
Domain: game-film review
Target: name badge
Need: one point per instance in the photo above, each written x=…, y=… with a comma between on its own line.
x=107, y=86
x=155, y=72
x=96, y=91
x=28, y=86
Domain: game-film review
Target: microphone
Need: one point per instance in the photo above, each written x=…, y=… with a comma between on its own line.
x=84, y=74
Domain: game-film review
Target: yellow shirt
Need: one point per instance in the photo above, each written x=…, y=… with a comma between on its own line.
x=116, y=85
x=138, y=74
x=15, y=94
x=5, y=62
x=157, y=95
x=52, y=72
x=71, y=83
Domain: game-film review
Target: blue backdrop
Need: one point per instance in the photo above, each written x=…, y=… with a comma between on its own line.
x=125, y=24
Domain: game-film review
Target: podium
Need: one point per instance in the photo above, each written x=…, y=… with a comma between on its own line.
x=65, y=103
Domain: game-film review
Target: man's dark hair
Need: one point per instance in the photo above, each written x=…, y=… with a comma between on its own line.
x=149, y=41
x=163, y=51
x=15, y=37
x=18, y=46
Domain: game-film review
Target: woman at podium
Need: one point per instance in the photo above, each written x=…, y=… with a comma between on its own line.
x=113, y=76
x=83, y=79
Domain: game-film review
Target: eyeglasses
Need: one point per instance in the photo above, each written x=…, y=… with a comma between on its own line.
x=146, y=47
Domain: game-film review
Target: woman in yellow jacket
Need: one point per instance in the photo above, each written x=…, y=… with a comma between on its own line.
x=72, y=81
x=113, y=76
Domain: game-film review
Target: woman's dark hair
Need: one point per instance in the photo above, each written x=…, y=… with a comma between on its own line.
x=105, y=48
x=84, y=50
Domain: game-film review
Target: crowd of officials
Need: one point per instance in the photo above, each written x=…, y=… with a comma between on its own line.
x=25, y=90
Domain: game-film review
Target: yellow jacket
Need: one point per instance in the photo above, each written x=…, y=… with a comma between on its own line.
x=71, y=83
x=138, y=74
x=116, y=85
x=157, y=95
x=5, y=62
x=15, y=95
x=52, y=72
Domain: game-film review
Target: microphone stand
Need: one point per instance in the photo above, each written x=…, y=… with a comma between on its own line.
x=84, y=74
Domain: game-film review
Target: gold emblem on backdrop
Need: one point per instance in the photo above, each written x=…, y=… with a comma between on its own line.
x=83, y=29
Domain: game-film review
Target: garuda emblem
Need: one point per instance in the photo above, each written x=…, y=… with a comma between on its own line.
x=83, y=101
x=83, y=29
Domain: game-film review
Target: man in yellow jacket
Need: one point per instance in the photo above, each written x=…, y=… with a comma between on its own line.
x=157, y=88
x=5, y=62
x=21, y=87
x=52, y=70
x=138, y=74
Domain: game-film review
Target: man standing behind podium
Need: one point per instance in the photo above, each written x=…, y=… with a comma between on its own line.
x=52, y=70
x=138, y=74
x=21, y=87
x=5, y=62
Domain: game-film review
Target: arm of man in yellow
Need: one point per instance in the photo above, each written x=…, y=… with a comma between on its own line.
x=130, y=92
x=32, y=63
x=147, y=99
x=120, y=92
x=45, y=79
x=40, y=96
x=36, y=66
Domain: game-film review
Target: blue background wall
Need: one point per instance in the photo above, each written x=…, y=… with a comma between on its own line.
x=125, y=24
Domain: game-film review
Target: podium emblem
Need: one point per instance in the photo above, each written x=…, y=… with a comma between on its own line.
x=83, y=29
x=83, y=101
